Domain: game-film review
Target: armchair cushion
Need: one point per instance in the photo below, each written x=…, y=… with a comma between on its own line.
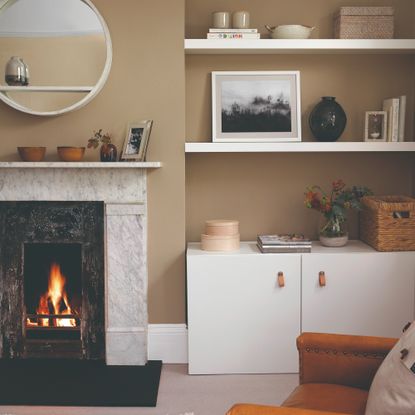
x=341, y=359
x=393, y=388
x=328, y=397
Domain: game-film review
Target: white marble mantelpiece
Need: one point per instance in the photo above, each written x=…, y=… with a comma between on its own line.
x=123, y=189
x=79, y=165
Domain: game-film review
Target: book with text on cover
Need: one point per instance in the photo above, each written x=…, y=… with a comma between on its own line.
x=391, y=106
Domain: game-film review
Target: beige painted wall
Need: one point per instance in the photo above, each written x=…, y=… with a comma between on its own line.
x=317, y=13
x=146, y=82
x=265, y=191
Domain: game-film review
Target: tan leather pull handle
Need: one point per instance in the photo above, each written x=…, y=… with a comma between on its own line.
x=322, y=278
x=281, y=280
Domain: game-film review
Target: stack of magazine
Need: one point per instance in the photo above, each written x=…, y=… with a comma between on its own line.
x=284, y=243
x=233, y=34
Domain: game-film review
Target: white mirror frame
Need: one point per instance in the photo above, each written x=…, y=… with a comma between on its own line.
x=94, y=91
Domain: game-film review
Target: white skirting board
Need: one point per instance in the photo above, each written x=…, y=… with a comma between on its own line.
x=167, y=342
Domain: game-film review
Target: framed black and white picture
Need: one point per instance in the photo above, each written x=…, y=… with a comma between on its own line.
x=376, y=126
x=136, y=142
x=256, y=106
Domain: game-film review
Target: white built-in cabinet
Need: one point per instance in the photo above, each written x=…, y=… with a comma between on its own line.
x=245, y=309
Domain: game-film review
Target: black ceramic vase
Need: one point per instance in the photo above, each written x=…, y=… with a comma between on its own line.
x=327, y=120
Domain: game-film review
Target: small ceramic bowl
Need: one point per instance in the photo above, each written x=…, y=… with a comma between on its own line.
x=290, y=31
x=71, y=153
x=31, y=153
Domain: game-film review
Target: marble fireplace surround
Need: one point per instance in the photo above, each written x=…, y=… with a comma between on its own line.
x=122, y=187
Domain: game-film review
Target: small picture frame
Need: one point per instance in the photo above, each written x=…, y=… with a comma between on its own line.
x=136, y=141
x=376, y=126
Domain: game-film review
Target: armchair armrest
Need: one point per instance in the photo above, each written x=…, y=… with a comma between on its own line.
x=341, y=359
x=248, y=409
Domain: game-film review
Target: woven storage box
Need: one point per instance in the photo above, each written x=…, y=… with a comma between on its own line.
x=364, y=23
x=387, y=223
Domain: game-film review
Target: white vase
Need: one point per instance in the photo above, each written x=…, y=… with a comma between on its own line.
x=334, y=241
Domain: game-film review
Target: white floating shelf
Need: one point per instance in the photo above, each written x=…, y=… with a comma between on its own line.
x=4, y=88
x=303, y=147
x=299, y=46
x=79, y=165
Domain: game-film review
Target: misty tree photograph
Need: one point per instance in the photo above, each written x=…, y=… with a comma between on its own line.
x=256, y=106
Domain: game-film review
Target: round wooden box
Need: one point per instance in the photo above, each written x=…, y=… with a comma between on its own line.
x=222, y=227
x=220, y=242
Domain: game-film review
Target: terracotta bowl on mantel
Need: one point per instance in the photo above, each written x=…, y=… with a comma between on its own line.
x=71, y=153
x=31, y=153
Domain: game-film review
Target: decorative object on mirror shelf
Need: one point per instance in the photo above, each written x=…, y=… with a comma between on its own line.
x=364, y=23
x=333, y=206
x=387, y=223
x=108, y=151
x=221, y=235
x=376, y=126
x=240, y=20
x=136, y=142
x=221, y=20
x=261, y=106
x=31, y=153
x=17, y=72
x=290, y=31
x=327, y=120
x=71, y=153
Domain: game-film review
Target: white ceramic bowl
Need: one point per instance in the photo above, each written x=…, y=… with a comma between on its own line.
x=291, y=31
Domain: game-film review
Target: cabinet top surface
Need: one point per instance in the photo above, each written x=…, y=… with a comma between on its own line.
x=250, y=248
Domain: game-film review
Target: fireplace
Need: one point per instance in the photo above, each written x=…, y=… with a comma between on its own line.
x=52, y=311
x=79, y=229
x=52, y=280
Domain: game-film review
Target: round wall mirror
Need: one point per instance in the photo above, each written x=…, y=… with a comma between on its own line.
x=55, y=55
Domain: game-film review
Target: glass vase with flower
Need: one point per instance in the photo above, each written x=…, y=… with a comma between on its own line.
x=333, y=206
x=108, y=151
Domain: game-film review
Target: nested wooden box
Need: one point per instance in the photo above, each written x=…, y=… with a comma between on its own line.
x=387, y=223
x=221, y=235
x=364, y=23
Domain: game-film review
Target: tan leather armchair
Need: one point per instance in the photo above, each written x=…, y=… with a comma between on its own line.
x=335, y=376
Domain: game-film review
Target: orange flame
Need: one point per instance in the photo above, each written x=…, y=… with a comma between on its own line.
x=55, y=296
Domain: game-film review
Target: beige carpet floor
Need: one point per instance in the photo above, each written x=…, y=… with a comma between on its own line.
x=181, y=394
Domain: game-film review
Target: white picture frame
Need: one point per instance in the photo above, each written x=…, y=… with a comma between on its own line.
x=136, y=140
x=256, y=106
x=376, y=123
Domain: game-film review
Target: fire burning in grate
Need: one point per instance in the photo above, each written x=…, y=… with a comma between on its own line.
x=54, y=309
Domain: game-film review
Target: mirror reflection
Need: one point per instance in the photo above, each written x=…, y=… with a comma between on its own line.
x=62, y=46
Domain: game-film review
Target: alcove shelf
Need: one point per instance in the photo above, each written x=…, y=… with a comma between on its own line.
x=299, y=46
x=303, y=147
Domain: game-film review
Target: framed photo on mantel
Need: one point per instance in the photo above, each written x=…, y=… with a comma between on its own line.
x=256, y=106
x=136, y=141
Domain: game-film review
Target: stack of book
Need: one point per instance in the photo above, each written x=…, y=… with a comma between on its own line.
x=285, y=243
x=396, y=109
x=233, y=34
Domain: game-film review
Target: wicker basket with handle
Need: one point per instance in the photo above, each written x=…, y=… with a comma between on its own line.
x=387, y=223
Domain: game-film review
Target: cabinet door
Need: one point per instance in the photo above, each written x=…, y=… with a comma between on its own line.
x=240, y=320
x=366, y=294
